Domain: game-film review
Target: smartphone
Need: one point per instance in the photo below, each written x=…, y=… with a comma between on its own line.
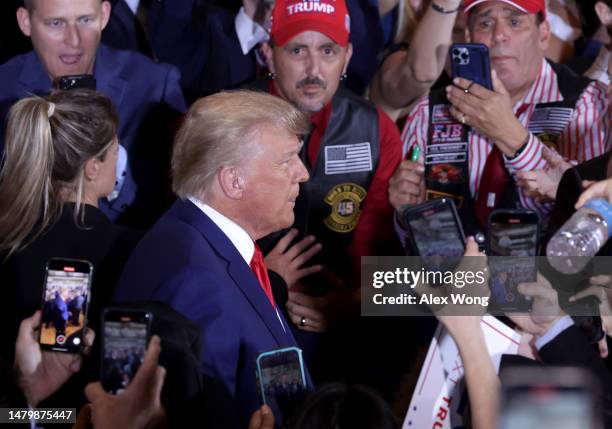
x=512, y=246
x=551, y=397
x=435, y=233
x=80, y=81
x=65, y=300
x=282, y=381
x=125, y=336
x=471, y=61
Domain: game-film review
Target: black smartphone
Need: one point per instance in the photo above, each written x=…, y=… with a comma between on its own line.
x=435, y=233
x=471, y=61
x=80, y=81
x=125, y=338
x=282, y=381
x=512, y=246
x=551, y=397
x=65, y=300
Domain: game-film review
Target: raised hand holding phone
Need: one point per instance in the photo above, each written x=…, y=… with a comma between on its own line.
x=41, y=373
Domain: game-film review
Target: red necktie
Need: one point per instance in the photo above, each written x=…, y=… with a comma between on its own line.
x=261, y=272
x=495, y=178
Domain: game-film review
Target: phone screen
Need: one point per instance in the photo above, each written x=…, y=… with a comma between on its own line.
x=547, y=406
x=65, y=301
x=282, y=381
x=126, y=336
x=436, y=233
x=513, y=246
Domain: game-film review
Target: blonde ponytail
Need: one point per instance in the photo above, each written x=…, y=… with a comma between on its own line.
x=48, y=141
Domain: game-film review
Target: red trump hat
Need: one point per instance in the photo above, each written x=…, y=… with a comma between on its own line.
x=527, y=6
x=291, y=17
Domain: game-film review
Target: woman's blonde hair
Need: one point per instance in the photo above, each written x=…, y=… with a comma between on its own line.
x=48, y=141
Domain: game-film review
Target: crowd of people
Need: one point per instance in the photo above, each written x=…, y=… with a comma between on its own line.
x=231, y=163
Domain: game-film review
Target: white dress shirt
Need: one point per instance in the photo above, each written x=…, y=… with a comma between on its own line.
x=133, y=5
x=249, y=33
x=237, y=235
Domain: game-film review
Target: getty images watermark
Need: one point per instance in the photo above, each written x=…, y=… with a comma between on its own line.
x=412, y=286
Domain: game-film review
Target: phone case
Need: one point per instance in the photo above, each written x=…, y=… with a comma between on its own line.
x=263, y=355
x=471, y=61
x=128, y=312
x=506, y=270
x=59, y=308
x=416, y=212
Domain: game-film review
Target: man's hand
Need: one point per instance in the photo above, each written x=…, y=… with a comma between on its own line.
x=601, y=287
x=288, y=261
x=41, y=373
x=307, y=312
x=340, y=302
x=601, y=189
x=545, y=310
x=459, y=320
x=262, y=419
x=258, y=10
x=407, y=185
x=542, y=185
x=488, y=112
x=139, y=406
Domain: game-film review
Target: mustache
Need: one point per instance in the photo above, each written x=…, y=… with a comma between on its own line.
x=311, y=81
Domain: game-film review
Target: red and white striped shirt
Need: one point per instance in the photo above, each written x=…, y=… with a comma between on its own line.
x=584, y=138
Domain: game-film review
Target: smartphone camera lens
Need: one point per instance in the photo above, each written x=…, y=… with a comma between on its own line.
x=457, y=60
x=456, y=52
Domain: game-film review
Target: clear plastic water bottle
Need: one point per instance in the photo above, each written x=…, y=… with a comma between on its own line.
x=581, y=237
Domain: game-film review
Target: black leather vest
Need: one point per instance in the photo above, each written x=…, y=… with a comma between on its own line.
x=447, y=158
x=330, y=202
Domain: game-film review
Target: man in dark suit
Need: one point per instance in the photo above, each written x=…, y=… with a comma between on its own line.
x=66, y=39
x=236, y=170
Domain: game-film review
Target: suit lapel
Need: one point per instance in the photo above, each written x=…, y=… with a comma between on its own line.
x=33, y=76
x=108, y=77
x=237, y=268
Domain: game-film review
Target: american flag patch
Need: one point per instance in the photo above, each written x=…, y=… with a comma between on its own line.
x=348, y=158
x=552, y=120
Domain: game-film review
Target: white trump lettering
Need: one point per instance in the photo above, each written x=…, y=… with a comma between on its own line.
x=310, y=6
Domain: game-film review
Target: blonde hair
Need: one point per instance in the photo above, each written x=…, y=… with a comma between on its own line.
x=219, y=130
x=48, y=141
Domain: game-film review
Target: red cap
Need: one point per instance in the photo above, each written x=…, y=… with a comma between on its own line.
x=291, y=17
x=527, y=6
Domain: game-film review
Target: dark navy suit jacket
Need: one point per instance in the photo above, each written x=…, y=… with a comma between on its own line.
x=148, y=99
x=198, y=38
x=187, y=262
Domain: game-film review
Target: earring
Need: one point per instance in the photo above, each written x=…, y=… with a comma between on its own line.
x=271, y=76
x=343, y=77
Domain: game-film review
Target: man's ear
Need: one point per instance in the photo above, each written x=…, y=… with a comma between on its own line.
x=604, y=13
x=92, y=168
x=347, y=57
x=544, y=35
x=269, y=55
x=232, y=182
x=106, y=12
x=23, y=20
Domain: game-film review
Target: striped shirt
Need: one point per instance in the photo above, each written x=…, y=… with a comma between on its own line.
x=582, y=139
